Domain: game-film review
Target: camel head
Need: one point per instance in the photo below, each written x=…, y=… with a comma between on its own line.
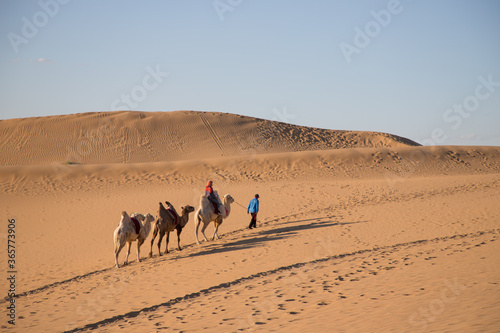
x=187, y=209
x=149, y=218
x=146, y=221
x=228, y=199
x=138, y=216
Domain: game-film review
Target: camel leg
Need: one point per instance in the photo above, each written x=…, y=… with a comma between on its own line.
x=197, y=222
x=179, y=230
x=117, y=252
x=128, y=253
x=216, y=236
x=203, y=231
x=155, y=232
x=139, y=243
x=217, y=223
x=215, y=231
x=159, y=242
x=196, y=234
x=168, y=238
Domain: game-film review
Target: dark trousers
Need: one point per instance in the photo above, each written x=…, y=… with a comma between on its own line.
x=215, y=203
x=253, y=222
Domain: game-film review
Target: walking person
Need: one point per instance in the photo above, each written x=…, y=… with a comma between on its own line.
x=253, y=208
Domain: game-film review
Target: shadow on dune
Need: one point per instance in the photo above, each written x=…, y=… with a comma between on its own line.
x=167, y=306
x=250, y=241
x=267, y=236
x=305, y=227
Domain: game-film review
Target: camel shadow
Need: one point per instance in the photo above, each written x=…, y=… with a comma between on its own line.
x=265, y=236
x=242, y=244
x=309, y=226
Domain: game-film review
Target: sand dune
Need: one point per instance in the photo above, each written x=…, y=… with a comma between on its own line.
x=385, y=237
x=136, y=137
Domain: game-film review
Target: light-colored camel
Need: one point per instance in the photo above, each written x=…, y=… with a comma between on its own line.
x=168, y=220
x=126, y=233
x=206, y=214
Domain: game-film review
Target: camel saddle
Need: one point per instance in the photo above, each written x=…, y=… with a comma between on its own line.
x=174, y=215
x=216, y=208
x=136, y=224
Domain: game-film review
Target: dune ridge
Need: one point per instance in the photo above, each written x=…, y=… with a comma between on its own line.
x=135, y=137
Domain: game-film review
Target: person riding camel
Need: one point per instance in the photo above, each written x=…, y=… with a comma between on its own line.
x=209, y=194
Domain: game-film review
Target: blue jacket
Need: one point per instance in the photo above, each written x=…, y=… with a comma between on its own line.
x=253, y=206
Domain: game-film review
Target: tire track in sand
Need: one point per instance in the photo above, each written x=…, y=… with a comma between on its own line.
x=211, y=130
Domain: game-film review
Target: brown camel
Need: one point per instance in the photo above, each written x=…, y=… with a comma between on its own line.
x=168, y=220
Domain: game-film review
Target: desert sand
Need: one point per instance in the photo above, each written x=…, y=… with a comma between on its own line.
x=357, y=231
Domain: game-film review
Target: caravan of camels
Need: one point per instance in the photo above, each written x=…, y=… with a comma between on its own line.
x=137, y=227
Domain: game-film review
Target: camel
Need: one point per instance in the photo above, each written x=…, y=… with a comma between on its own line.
x=126, y=232
x=168, y=220
x=206, y=214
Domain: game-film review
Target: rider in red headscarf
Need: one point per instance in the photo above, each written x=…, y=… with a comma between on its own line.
x=209, y=193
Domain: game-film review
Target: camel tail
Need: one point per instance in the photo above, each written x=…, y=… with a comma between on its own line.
x=115, y=241
x=154, y=227
x=124, y=214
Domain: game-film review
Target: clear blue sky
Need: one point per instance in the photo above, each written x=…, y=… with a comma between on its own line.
x=427, y=70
